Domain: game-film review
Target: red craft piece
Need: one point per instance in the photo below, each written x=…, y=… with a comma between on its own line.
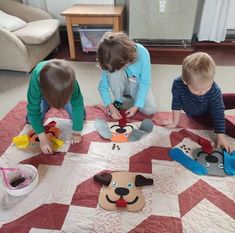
x=122, y=122
x=121, y=203
x=49, y=125
x=206, y=145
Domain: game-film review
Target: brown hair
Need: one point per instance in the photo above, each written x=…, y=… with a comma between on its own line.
x=198, y=66
x=115, y=50
x=57, y=82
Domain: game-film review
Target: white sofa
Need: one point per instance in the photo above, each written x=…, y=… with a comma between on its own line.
x=22, y=49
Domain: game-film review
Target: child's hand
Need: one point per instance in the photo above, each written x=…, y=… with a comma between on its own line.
x=174, y=122
x=76, y=137
x=45, y=145
x=223, y=143
x=114, y=113
x=131, y=111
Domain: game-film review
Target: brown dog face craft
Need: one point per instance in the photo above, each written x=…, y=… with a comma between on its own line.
x=122, y=190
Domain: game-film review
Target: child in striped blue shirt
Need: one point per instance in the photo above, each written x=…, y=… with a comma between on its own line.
x=197, y=94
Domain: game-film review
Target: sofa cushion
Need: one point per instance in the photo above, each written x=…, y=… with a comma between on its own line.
x=10, y=22
x=37, y=32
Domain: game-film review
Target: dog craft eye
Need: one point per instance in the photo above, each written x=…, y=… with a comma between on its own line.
x=128, y=128
x=207, y=165
x=114, y=129
x=114, y=184
x=220, y=165
x=129, y=185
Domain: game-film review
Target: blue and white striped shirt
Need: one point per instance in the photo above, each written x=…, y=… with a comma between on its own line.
x=209, y=103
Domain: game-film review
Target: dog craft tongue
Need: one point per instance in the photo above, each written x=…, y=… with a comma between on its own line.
x=121, y=203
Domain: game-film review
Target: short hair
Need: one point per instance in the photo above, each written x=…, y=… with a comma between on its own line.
x=115, y=50
x=57, y=82
x=199, y=66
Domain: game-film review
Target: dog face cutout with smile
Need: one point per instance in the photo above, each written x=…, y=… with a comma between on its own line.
x=122, y=190
x=123, y=133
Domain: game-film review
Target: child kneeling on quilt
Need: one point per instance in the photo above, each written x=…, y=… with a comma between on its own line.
x=126, y=71
x=197, y=94
x=53, y=84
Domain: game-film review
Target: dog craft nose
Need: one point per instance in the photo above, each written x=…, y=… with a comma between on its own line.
x=211, y=159
x=121, y=130
x=121, y=191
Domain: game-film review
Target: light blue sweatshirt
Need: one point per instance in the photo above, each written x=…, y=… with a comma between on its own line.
x=141, y=69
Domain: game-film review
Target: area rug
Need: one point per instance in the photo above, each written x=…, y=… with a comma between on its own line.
x=66, y=197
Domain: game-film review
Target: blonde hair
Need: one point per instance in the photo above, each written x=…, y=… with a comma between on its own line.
x=198, y=66
x=115, y=50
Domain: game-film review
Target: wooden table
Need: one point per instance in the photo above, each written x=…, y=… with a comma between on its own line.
x=92, y=14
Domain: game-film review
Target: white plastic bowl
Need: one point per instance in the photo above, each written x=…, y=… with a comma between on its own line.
x=31, y=175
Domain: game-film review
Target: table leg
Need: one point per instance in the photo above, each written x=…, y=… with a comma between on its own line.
x=71, y=38
x=116, y=24
x=120, y=24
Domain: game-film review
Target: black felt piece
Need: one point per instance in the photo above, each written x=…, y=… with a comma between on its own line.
x=103, y=178
x=142, y=181
x=16, y=181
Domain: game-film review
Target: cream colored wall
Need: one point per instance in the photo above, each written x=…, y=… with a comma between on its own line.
x=145, y=21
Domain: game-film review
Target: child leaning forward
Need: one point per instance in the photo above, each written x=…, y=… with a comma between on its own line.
x=53, y=84
x=197, y=94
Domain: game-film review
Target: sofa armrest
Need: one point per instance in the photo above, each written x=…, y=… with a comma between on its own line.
x=22, y=11
x=9, y=43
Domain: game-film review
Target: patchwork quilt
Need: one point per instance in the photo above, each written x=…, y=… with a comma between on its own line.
x=66, y=197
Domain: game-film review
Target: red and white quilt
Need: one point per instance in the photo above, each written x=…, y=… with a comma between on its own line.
x=66, y=197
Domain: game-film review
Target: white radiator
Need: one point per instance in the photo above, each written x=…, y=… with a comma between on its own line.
x=55, y=7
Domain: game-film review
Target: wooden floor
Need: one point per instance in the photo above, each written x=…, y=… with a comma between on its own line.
x=222, y=53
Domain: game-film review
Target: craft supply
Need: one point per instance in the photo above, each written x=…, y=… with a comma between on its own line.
x=20, y=180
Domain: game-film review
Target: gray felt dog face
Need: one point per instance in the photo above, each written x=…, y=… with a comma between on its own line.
x=213, y=162
x=123, y=134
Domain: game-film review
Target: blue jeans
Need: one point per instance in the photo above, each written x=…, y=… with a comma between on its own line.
x=45, y=108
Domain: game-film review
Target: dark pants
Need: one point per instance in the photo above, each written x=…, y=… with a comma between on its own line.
x=229, y=103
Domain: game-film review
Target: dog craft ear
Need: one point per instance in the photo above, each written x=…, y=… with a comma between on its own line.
x=142, y=181
x=103, y=178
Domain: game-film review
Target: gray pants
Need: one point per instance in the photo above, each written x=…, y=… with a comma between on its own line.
x=121, y=85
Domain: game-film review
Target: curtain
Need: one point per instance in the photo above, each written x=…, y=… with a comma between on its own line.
x=214, y=20
x=55, y=7
x=36, y=3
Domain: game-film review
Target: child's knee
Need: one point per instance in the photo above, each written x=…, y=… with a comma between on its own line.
x=149, y=111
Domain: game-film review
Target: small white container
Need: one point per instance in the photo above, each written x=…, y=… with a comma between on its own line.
x=30, y=174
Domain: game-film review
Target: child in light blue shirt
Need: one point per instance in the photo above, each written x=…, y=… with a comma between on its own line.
x=126, y=71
